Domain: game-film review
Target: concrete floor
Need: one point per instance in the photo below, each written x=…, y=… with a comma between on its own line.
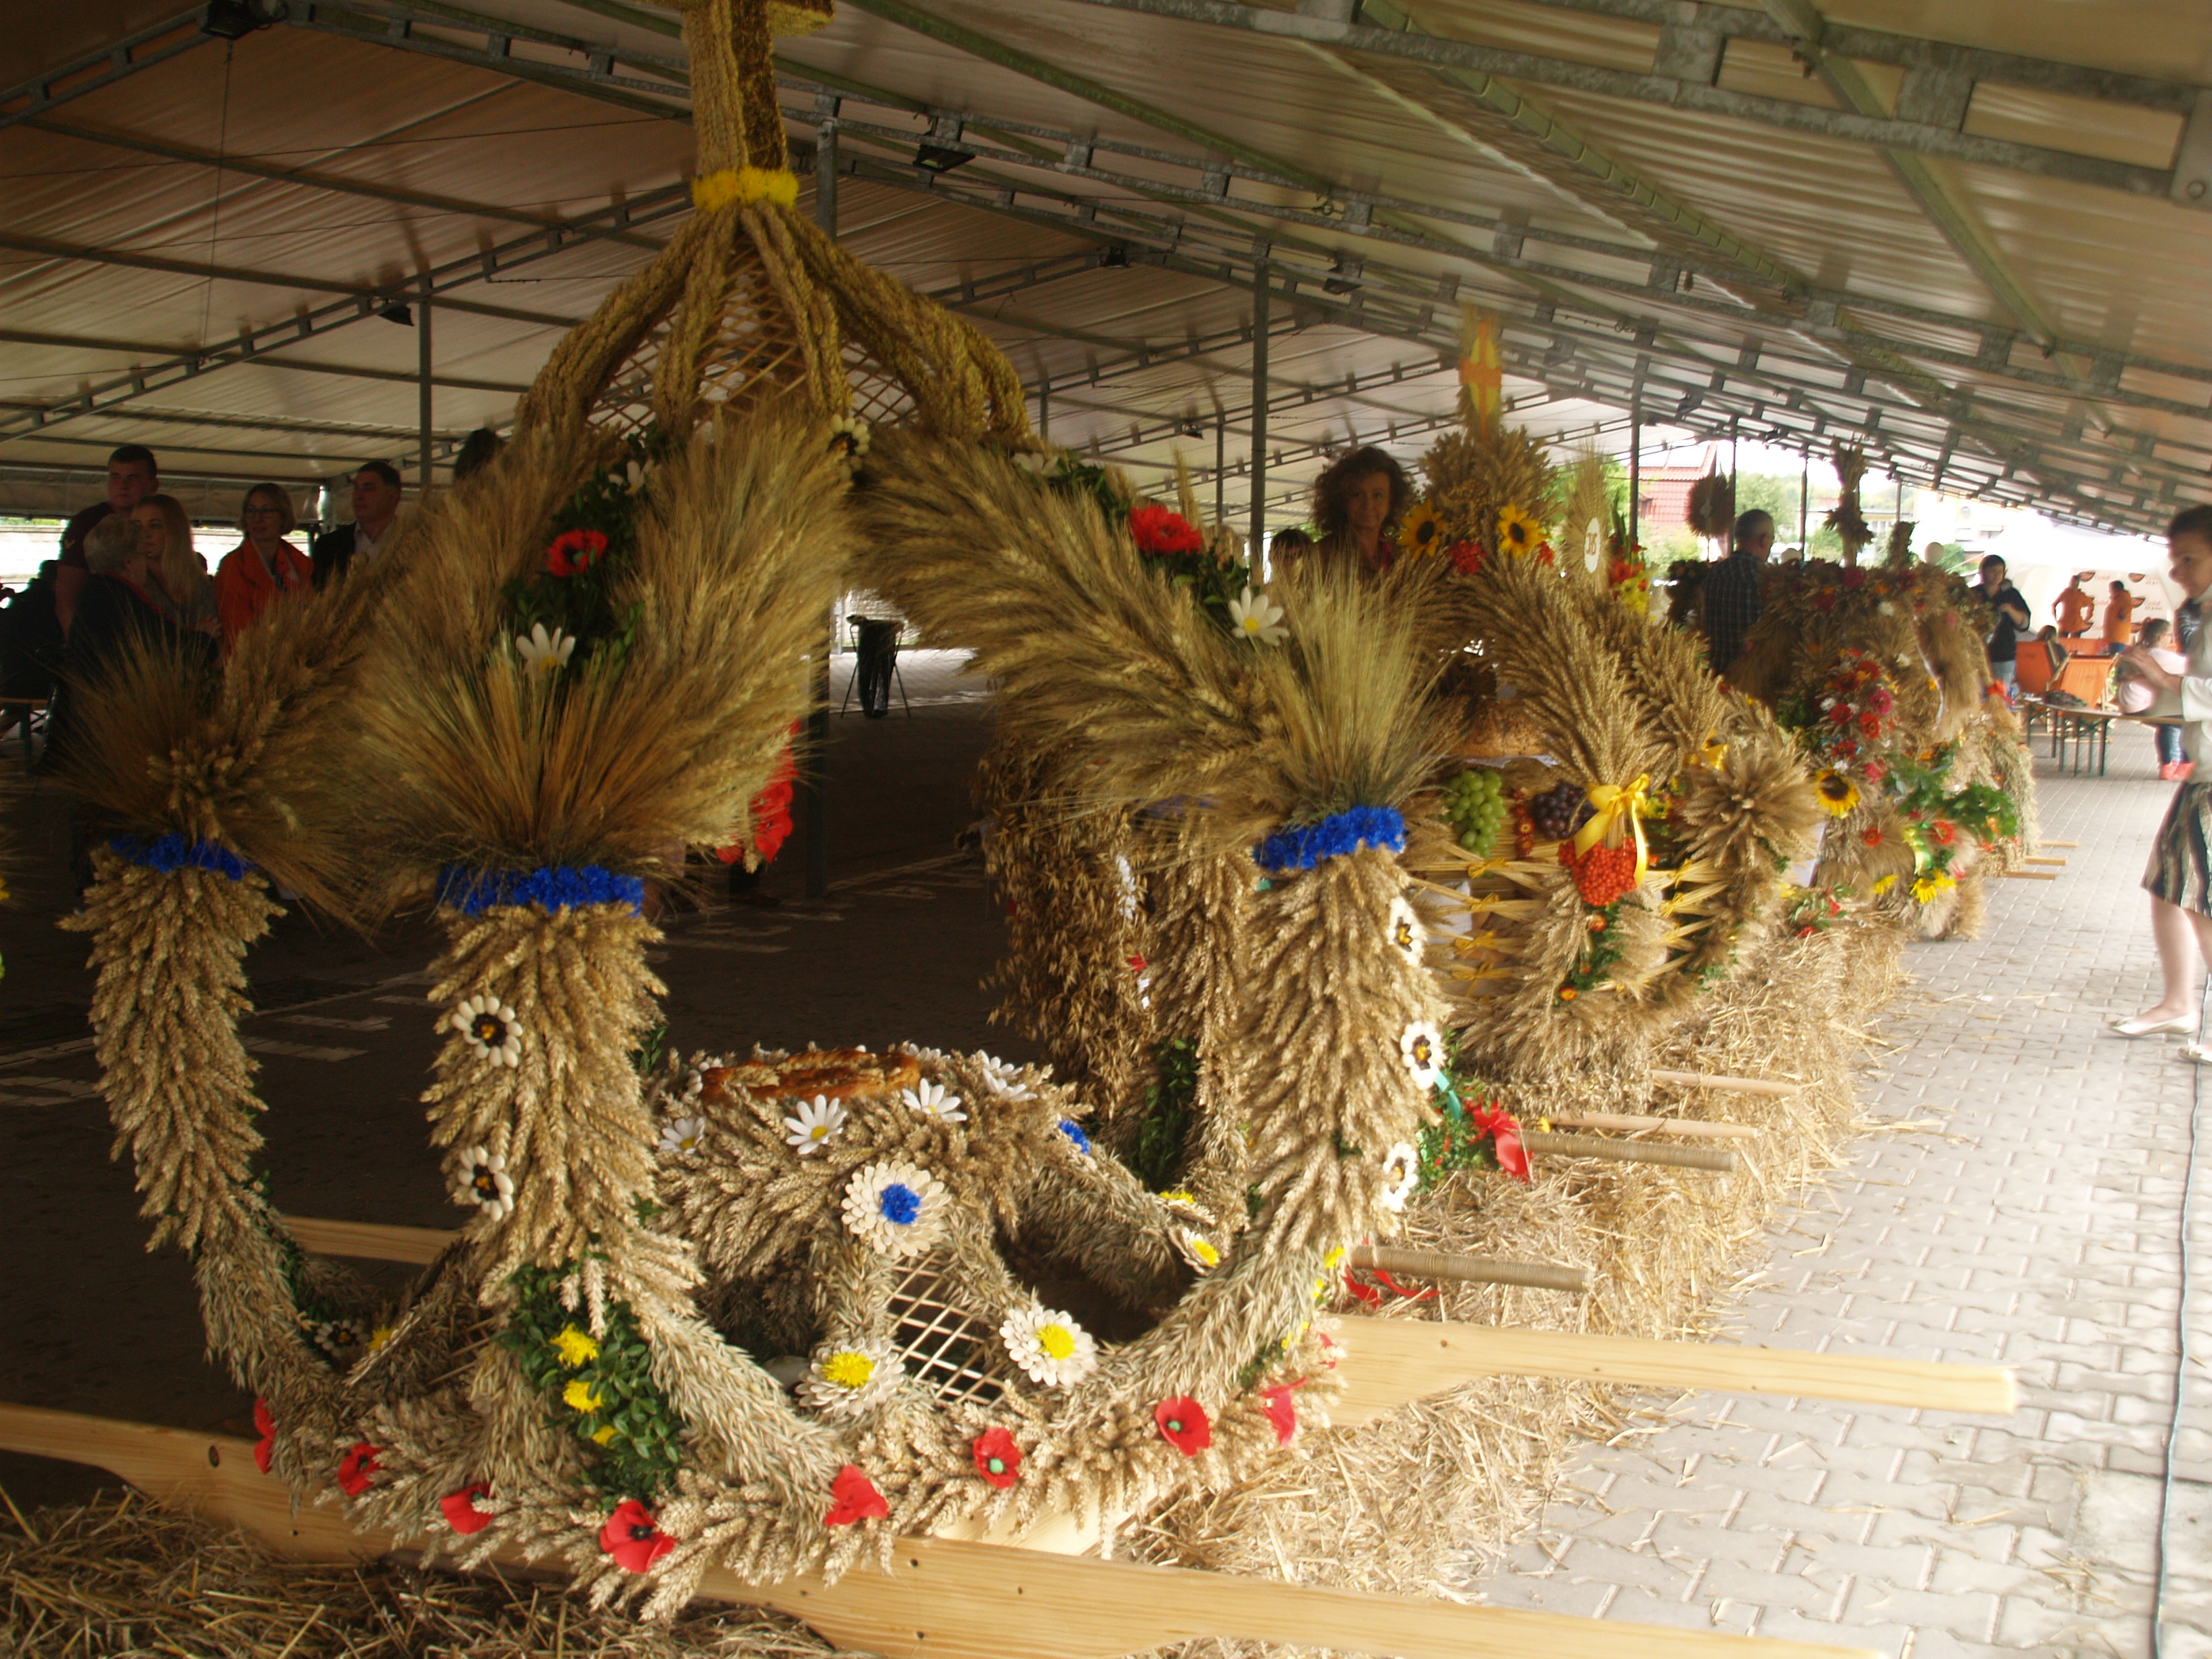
x=2018, y=1203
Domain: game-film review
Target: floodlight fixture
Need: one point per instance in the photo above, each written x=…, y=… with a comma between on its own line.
x=399, y=311
x=233, y=20
x=941, y=158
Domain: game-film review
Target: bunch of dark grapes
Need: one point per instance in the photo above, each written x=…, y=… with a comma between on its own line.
x=1559, y=811
x=1475, y=804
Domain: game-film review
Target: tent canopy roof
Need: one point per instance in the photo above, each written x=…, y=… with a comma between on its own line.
x=1973, y=238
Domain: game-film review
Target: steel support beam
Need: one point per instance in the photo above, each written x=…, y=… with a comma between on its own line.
x=1491, y=65
x=135, y=51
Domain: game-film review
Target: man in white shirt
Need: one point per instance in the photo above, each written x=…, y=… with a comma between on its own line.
x=375, y=505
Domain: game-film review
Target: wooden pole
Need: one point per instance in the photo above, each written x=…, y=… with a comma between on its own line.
x=1718, y=1160
x=1746, y=1086
x=1635, y=1121
x=1471, y=1269
x=1390, y=1362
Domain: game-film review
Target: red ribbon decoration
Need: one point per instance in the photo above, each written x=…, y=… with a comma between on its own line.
x=1373, y=1297
x=1505, y=1132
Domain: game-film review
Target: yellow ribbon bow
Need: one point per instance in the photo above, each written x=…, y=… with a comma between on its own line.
x=1612, y=801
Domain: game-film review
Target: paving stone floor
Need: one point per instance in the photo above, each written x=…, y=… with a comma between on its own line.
x=2019, y=1202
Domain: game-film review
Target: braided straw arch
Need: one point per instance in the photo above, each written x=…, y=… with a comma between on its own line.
x=749, y=297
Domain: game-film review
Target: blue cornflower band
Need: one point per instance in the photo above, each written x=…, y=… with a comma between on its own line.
x=1073, y=1131
x=1304, y=846
x=173, y=852
x=472, y=892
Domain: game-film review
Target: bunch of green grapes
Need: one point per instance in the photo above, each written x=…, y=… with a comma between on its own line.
x=1474, y=802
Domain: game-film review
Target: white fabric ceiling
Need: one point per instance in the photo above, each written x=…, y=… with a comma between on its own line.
x=1964, y=234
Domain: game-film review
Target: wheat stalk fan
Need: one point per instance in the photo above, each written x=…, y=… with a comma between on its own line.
x=943, y=1599
x=1719, y=1160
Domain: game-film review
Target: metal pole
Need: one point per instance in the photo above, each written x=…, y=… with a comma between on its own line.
x=422, y=377
x=1044, y=412
x=1635, y=466
x=1804, y=499
x=1259, y=413
x=813, y=792
x=1220, y=461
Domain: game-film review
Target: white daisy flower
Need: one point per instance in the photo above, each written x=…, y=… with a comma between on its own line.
x=543, y=652
x=934, y=1099
x=1401, y=1173
x=341, y=1339
x=481, y=1179
x=817, y=1124
x=848, y=1378
x=897, y=1208
x=1422, y=1046
x=1006, y=1080
x=1051, y=1348
x=634, y=473
x=1131, y=903
x=927, y=1056
x=1197, y=1248
x=683, y=1134
x=490, y=1027
x=1406, y=928
x=1031, y=462
x=1255, y=616
x=850, y=437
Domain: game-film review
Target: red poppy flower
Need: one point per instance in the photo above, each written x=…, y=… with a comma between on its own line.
x=632, y=1539
x=462, y=1514
x=355, y=1467
x=997, y=1459
x=1871, y=835
x=1841, y=714
x=1944, y=831
x=853, y=1497
x=1466, y=556
x=265, y=1424
x=574, y=551
x=1184, y=1425
x=1282, y=1411
x=1156, y=529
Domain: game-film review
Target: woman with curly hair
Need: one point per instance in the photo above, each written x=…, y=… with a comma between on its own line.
x=1357, y=503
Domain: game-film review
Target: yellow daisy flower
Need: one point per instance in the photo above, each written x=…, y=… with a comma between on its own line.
x=1517, y=533
x=580, y=1396
x=575, y=1346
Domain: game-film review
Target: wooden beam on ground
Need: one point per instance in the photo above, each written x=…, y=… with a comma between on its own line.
x=1471, y=1269
x=1742, y=1085
x=2058, y=843
x=1719, y=1160
x=943, y=1598
x=1634, y=1122
x=1389, y=1362
x=2031, y=858
x=2029, y=875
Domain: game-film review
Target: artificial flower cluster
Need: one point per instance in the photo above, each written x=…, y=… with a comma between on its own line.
x=596, y=1377
x=563, y=611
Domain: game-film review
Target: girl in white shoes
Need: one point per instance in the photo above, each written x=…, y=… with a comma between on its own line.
x=2180, y=877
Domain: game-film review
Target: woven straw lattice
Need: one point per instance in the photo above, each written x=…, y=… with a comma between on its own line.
x=949, y=1350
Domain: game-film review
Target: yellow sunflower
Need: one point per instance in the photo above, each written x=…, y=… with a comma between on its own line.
x=1424, y=531
x=1839, y=794
x=1517, y=533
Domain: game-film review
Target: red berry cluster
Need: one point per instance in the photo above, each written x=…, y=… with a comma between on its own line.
x=1601, y=875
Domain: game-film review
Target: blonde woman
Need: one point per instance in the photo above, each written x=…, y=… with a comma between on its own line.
x=264, y=566
x=176, y=581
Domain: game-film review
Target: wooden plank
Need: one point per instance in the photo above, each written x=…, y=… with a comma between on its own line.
x=1389, y=1362
x=1742, y=1085
x=2029, y=875
x=369, y=1241
x=1471, y=1269
x=2029, y=858
x=1718, y=1160
x=2058, y=843
x=944, y=1598
x=1673, y=1125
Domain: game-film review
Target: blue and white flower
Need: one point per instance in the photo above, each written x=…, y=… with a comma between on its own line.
x=820, y=1121
x=897, y=1207
x=1422, y=1048
x=933, y=1100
